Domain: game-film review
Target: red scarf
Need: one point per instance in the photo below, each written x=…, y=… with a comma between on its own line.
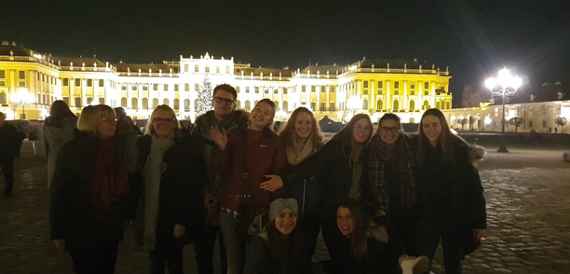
x=110, y=183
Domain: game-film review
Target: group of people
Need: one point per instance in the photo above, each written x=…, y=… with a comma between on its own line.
x=250, y=200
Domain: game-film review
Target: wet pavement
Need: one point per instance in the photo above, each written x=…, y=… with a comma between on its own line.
x=527, y=190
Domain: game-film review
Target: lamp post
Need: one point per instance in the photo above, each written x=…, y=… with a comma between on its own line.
x=505, y=84
x=20, y=98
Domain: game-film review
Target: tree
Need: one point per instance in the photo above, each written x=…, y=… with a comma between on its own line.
x=463, y=121
x=516, y=122
x=204, y=102
x=561, y=121
x=472, y=96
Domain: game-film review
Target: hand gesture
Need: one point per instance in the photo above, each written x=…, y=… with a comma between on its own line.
x=220, y=138
x=273, y=184
x=179, y=231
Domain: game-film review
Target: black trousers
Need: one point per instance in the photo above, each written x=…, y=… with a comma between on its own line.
x=429, y=237
x=205, y=238
x=98, y=259
x=403, y=234
x=7, y=166
x=166, y=258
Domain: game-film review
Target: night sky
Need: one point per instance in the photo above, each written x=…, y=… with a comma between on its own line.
x=473, y=37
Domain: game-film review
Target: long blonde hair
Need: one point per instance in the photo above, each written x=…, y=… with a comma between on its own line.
x=148, y=129
x=287, y=132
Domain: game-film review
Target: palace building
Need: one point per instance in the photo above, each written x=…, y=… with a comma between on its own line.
x=30, y=81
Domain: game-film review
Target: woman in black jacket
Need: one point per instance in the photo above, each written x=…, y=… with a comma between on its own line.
x=301, y=137
x=338, y=167
x=159, y=233
x=91, y=196
x=450, y=196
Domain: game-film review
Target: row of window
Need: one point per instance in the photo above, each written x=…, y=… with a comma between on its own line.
x=365, y=84
x=207, y=69
x=41, y=99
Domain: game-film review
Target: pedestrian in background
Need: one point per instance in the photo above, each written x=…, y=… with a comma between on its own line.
x=59, y=128
x=10, y=142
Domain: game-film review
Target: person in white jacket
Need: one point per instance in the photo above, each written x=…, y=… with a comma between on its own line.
x=58, y=129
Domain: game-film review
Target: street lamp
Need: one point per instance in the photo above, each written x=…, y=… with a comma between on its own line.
x=20, y=98
x=505, y=84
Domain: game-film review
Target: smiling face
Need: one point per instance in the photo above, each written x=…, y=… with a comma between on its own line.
x=361, y=131
x=261, y=116
x=106, y=127
x=389, y=131
x=432, y=128
x=223, y=103
x=286, y=221
x=163, y=124
x=303, y=125
x=344, y=221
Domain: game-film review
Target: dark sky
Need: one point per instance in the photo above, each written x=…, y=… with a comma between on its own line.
x=473, y=37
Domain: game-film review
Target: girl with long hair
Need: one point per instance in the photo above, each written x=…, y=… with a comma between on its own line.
x=450, y=195
x=338, y=168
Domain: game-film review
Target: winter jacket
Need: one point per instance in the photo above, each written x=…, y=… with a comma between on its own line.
x=181, y=191
x=330, y=166
x=10, y=141
x=55, y=135
x=306, y=191
x=214, y=157
x=250, y=155
x=277, y=256
x=73, y=217
x=450, y=193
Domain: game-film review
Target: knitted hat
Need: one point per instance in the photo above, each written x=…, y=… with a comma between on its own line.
x=279, y=204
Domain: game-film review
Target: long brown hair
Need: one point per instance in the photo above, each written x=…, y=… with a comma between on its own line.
x=443, y=142
x=345, y=134
x=358, y=238
x=287, y=132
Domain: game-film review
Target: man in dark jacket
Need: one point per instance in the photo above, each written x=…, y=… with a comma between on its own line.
x=10, y=141
x=214, y=126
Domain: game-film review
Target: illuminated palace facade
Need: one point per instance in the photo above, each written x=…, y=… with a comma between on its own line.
x=337, y=91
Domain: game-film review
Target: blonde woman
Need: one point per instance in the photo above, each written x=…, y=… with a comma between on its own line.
x=161, y=232
x=301, y=137
x=90, y=195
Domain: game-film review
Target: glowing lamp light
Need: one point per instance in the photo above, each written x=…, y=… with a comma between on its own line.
x=22, y=96
x=488, y=120
x=504, y=83
x=354, y=103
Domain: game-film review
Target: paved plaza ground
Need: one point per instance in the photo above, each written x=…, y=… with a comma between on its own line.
x=528, y=195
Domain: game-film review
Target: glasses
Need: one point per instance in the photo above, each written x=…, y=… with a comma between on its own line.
x=165, y=120
x=220, y=100
x=391, y=129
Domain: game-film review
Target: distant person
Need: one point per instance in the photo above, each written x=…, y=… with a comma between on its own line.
x=91, y=198
x=59, y=128
x=10, y=142
x=124, y=123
